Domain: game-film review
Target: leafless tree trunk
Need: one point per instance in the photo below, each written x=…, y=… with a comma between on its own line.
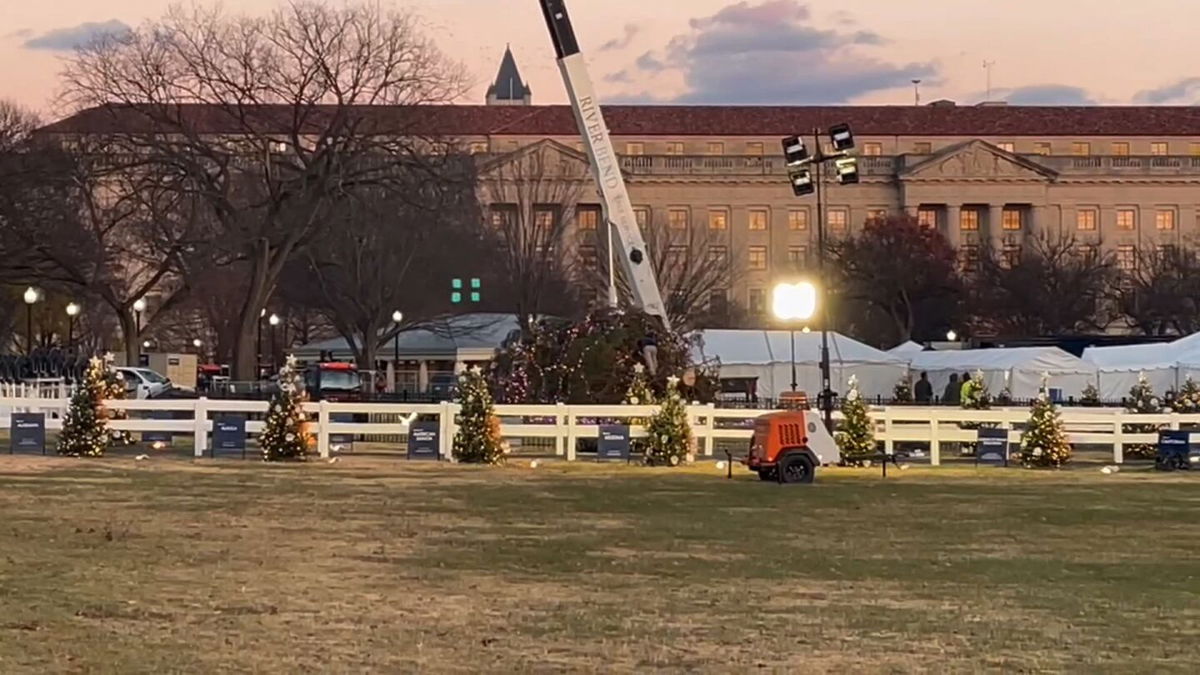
x=268, y=120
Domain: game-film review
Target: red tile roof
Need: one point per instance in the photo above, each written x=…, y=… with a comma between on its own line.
x=627, y=120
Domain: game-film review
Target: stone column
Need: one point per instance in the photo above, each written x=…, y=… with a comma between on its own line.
x=953, y=225
x=1038, y=213
x=995, y=226
x=422, y=376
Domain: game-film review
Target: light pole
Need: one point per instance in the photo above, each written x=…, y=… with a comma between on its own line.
x=139, y=306
x=794, y=302
x=804, y=173
x=32, y=295
x=397, y=317
x=262, y=313
x=198, y=343
x=72, y=312
x=274, y=321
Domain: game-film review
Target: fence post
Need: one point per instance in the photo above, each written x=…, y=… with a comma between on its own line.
x=323, y=429
x=200, y=426
x=889, y=445
x=935, y=442
x=559, y=420
x=571, y=441
x=1118, y=440
x=445, y=442
x=1174, y=423
x=710, y=411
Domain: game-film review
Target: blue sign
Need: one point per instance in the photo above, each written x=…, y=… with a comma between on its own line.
x=229, y=434
x=1173, y=450
x=424, y=440
x=157, y=436
x=993, y=447
x=341, y=439
x=613, y=442
x=28, y=433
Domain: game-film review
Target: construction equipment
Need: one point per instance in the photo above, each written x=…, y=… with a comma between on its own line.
x=788, y=446
x=605, y=165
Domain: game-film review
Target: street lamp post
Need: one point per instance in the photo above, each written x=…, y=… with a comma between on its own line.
x=794, y=302
x=804, y=173
x=274, y=321
x=72, y=312
x=31, y=297
x=397, y=317
x=262, y=313
x=139, y=306
x=198, y=343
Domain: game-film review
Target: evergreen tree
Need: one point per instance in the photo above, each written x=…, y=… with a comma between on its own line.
x=114, y=386
x=1090, y=396
x=478, y=438
x=902, y=392
x=1188, y=398
x=670, y=435
x=856, y=433
x=1045, y=440
x=639, y=392
x=975, y=396
x=84, y=432
x=1142, y=400
x=284, y=436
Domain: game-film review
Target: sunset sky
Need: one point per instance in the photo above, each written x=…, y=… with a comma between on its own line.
x=752, y=52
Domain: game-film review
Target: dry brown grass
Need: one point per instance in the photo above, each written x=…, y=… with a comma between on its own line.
x=383, y=566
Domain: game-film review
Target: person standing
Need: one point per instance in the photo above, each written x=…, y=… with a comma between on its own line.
x=953, y=389
x=923, y=390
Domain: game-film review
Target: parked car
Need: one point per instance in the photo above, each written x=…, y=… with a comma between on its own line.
x=144, y=383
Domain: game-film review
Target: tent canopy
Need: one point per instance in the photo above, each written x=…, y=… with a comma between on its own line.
x=1019, y=368
x=906, y=348
x=775, y=346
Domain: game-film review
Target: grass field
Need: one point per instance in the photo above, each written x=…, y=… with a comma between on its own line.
x=375, y=565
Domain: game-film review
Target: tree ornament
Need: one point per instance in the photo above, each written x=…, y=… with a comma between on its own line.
x=669, y=432
x=84, y=432
x=1045, y=440
x=478, y=439
x=284, y=435
x=856, y=432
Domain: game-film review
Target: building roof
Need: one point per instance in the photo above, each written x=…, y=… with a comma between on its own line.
x=444, y=338
x=508, y=85
x=654, y=120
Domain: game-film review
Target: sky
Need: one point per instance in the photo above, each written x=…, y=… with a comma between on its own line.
x=741, y=51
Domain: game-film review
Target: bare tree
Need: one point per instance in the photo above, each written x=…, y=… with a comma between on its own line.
x=1051, y=286
x=531, y=197
x=1159, y=295
x=268, y=120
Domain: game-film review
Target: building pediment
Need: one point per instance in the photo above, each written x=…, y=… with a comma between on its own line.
x=546, y=158
x=976, y=161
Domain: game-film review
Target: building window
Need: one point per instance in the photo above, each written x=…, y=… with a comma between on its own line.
x=642, y=215
x=1126, y=219
x=674, y=148
x=1165, y=251
x=503, y=215
x=1120, y=149
x=876, y=214
x=635, y=148
x=969, y=254
x=479, y=147
x=1010, y=219
x=716, y=148
x=1007, y=146
x=677, y=219
x=836, y=219
x=872, y=149
x=543, y=217
x=758, y=257
x=1158, y=148
x=798, y=255
x=798, y=219
x=922, y=148
x=758, y=300
x=968, y=219
x=1010, y=255
x=758, y=220
x=718, y=301
x=754, y=148
x=1164, y=219
x=718, y=255
x=927, y=218
x=677, y=256
x=1086, y=251
x=587, y=217
x=1085, y=219
x=1041, y=148
x=1194, y=149
x=588, y=258
x=1126, y=257
x=1081, y=148
x=718, y=219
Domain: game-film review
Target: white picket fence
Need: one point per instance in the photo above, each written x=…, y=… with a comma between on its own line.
x=565, y=425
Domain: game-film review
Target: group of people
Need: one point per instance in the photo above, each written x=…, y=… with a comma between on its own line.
x=955, y=392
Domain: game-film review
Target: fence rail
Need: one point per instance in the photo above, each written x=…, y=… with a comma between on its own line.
x=567, y=425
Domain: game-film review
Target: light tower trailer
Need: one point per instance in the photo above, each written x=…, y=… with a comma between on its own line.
x=605, y=165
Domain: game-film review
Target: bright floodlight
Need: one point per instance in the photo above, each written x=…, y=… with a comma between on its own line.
x=146, y=344
x=794, y=151
x=31, y=295
x=797, y=301
x=397, y=316
x=72, y=309
x=273, y=320
x=197, y=343
x=951, y=335
x=139, y=305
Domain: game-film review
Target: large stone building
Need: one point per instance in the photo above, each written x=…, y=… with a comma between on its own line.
x=1123, y=178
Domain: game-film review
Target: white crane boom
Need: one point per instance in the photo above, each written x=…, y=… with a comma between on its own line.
x=603, y=158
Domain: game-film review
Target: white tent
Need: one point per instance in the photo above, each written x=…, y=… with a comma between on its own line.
x=1020, y=368
x=1119, y=366
x=906, y=349
x=767, y=356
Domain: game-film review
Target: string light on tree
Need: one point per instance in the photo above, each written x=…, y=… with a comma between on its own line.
x=670, y=435
x=284, y=436
x=856, y=433
x=85, y=427
x=1045, y=440
x=477, y=440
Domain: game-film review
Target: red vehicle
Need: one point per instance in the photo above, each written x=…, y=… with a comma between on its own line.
x=788, y=446
x=333, y=381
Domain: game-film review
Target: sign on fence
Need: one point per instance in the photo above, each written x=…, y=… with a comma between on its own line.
x=346, y=440
x=157, y=436
x=28, y=433
x=229, y=434
x=1173, y=450
x=423, y=440
x=993, y=447
x=613, y=442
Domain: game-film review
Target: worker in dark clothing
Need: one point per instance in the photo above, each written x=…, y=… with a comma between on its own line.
x=952, y=392
x=923, y=390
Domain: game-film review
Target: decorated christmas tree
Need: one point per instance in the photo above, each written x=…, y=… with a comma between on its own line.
x=284, y=436
x=1187, y=400
x=1045, y=440
x=1090, y=396
x=478, y=439
x=84, y=431
x=670, y=436
x=1142, y=400
x=975, y=396
x=902, y=392
x=639, y=392
x=856, y=434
